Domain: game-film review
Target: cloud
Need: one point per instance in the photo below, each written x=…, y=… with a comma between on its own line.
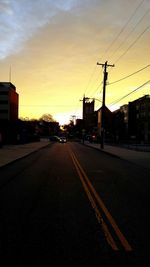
x=78, y=21
x=65, y=5
x=21, y=19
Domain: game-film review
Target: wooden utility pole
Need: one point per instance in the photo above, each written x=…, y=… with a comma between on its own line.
x=104, y=65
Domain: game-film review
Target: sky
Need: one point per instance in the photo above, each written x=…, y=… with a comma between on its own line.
x=49, y=50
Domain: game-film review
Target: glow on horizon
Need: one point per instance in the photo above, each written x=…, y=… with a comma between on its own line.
x=53, y=48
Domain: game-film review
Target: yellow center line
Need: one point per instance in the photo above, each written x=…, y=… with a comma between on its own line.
x=97, y=212
x=111, y=220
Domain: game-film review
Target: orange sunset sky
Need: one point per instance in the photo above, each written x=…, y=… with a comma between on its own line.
x=50, y=49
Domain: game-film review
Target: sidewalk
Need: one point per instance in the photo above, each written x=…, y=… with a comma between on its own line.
x=9, y=153
x=140, y=158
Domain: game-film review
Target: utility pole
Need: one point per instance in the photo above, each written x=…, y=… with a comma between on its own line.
x=104, y=65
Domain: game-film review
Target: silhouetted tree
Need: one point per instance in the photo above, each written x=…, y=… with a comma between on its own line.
x=47, y=117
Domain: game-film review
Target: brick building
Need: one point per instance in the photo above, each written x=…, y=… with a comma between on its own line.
x=139, y=119
x=9, y=100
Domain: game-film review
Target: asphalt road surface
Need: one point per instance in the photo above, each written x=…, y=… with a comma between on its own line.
x=71, y=205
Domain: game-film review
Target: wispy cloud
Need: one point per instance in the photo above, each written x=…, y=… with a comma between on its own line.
x=21, y=19
x=65, y=5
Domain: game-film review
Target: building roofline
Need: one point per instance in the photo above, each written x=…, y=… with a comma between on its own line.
x=8, y=84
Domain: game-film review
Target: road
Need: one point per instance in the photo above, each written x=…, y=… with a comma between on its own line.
x=70, y=205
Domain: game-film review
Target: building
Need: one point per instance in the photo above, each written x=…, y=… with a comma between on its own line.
x=88, y=114
x=8, y=112
x=105, y=127
x=120, y=124
x=8, y=102
x=131, y=123
x=124, y=110
x=139, y=120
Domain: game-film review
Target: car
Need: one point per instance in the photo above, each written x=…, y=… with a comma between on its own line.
x=63, y=140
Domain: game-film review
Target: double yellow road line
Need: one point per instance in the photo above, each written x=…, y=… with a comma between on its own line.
x=98, y=206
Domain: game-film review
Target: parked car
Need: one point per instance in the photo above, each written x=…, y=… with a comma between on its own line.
x=93, y=138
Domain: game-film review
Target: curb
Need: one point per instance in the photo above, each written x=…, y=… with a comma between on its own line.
x=23, y=156
x=104, y=151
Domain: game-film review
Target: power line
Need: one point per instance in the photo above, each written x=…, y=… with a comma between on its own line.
x=96, y=90
x=131, y=45
x=130, y=18
x=34, y=106
x=126, y=37
x=129, y=75
x=90, y=79
x=88, y=92
x=76, y=110
x=118, y=100
x=95, y=81
x=91, y=76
